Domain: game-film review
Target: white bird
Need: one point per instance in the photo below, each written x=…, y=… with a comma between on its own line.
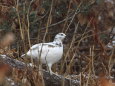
x=48, y=53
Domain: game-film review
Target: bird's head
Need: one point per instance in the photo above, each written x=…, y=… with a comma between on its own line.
x=60, y=36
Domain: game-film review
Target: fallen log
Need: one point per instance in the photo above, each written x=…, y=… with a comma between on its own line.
x=31, y=75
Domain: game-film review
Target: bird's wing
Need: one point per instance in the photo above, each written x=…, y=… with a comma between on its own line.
x=49, y=45
x=42, y=45
x=36, y=46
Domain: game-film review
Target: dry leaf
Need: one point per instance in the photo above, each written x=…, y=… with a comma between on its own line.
x=7, y=40
x=82, y=19
x=106, y=82
x=3, y=71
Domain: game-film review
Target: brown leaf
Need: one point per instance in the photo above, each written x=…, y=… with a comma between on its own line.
x=82, y=19
x=106, y=82
x=3, y=71
x=7, y=40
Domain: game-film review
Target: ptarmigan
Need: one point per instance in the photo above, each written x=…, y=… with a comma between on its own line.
x=48, y=53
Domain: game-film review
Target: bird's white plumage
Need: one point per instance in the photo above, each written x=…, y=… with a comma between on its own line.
x=48, y=53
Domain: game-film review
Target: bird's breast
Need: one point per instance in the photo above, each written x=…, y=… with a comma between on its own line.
x=53, y=55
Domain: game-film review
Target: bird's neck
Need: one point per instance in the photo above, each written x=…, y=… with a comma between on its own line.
x=57, y=41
